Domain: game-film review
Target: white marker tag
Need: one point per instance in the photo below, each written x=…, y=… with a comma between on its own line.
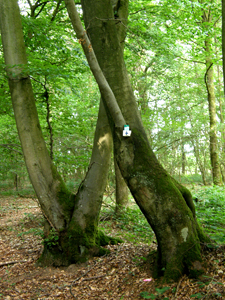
x=126, y=131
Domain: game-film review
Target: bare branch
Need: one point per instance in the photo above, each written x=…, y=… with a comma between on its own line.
x=42, y=7
x=57, y=9
x=194, y=61
x=10, y=147
x=205, y=77
x=11, y=262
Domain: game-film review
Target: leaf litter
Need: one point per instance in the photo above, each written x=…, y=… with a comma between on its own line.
x=125, y=273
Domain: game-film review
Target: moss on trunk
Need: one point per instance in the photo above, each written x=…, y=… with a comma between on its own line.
x=73, y=245
x=167, y=206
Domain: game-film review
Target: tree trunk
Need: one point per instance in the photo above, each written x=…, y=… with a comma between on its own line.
x=81, y=239
x=183, y=168
x=223, y=42
x=121, y=190
x=196, y=147
x=54, y=199
x=209, y=81
x=167, y=205
x=71, y=229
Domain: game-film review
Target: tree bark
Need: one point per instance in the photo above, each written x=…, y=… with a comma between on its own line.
x=167, y=205
x=121, y=190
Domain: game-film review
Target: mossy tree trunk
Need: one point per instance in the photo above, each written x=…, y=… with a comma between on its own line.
x=71, y=227
x=167, y=206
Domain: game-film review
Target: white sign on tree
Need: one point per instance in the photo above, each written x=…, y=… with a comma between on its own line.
x=126, y=131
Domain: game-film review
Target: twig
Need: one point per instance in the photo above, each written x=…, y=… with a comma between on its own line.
x=205, y=77
x=51, y=224
x=11, y=262
x=94, y=277
x=177, y=289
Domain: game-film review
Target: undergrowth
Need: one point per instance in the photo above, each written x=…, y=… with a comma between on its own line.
x=130, y=225
x=210, y=210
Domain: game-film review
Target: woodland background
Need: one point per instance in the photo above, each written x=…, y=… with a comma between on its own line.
x=169, y=51
x=165, y=55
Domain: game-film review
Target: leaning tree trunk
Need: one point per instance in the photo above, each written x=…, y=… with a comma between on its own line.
x=54, y=199
x=71, y=229
x=167, y=206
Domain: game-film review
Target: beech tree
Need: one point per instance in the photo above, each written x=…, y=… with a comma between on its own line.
x=59, y=206
x=73, y=219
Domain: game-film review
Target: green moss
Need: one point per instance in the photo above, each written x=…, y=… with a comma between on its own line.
x=52, y=257
x=186, y=260
x=65, y=197
x=104, y=240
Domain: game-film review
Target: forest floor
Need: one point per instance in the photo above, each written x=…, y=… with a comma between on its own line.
x=124, y=274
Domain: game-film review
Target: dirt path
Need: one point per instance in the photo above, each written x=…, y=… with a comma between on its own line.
x=120, y=275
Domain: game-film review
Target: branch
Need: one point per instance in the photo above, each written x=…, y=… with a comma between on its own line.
x=205, y=77
x=9, y=146
x=217, y=21
x=194, y=61
x=56, y=10
x=104, y=87
x=29, y=3
x=136, y=12
x=11, y=262
x=42, y=7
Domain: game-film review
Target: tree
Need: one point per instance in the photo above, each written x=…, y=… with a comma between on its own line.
x=209, y=78
x=167, y=205
x=71, y=221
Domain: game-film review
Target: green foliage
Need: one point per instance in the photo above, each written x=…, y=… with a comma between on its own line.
x=159, y=292
x=197, y=296
x=52, y=239
x=189, y=179
x=131, y=225
x=146, y=295
x=34, y=231
x=164, y=44
x=210, y=210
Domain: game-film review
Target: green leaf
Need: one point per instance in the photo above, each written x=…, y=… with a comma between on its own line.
x=198, y=296
x=162, y=290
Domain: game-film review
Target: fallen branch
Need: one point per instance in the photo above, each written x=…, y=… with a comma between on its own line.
x=11, y=262
x=177, y=289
